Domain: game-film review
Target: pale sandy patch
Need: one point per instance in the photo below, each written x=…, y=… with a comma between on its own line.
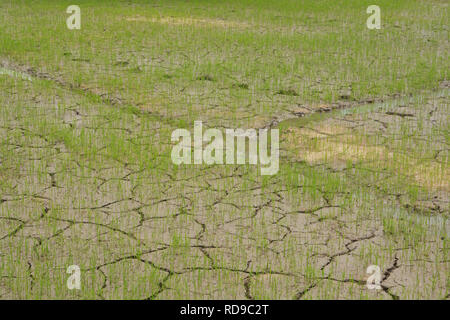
x=330, y=144
x=191, y=21
x=15, y=74
x=346, y=151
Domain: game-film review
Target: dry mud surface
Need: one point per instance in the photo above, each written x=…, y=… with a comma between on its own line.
x=85, y=181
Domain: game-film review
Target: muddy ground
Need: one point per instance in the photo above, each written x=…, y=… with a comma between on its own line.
x=88, y=181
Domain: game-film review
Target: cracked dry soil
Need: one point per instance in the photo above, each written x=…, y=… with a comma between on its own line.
x=85, y=181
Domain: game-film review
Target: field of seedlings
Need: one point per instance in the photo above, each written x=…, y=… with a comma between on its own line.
x=87, y=177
